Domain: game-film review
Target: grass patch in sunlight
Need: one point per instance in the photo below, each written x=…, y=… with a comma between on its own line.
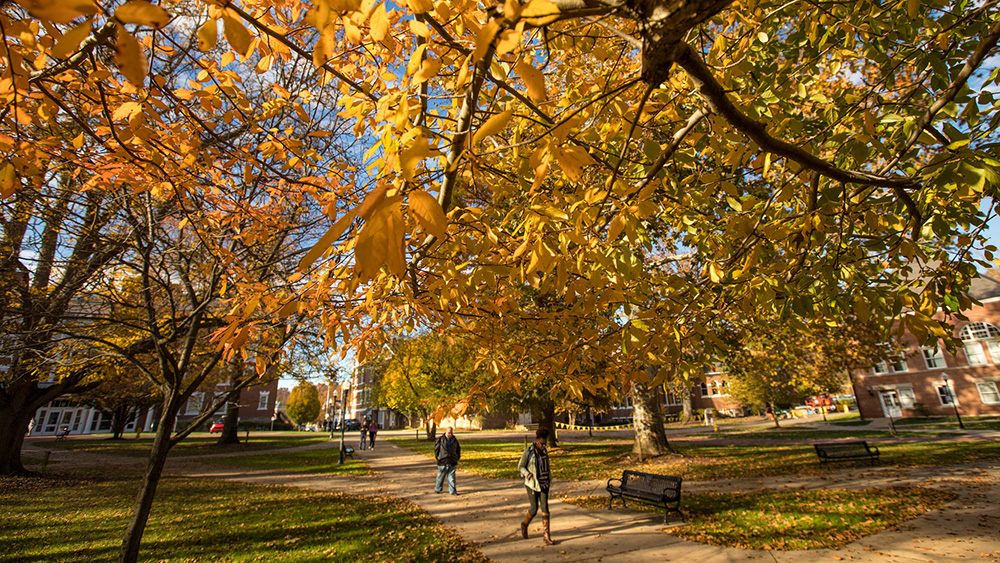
x=576, y=461
x=62, y=519
x=791, y=520
x=310, y=461
x=192, y=445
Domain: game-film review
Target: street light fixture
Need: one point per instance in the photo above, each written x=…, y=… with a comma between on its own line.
x=954, y=403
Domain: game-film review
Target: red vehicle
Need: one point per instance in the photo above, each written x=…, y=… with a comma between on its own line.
x=215, y=427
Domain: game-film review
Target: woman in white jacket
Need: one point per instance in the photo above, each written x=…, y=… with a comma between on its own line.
x=534, y=468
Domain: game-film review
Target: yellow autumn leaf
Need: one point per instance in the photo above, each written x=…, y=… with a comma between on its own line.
x=131, y=60
x=345, y=5
x=395, y=255
x=289, y=308
x=59, y=11
x=126, y=110
x=715, y=272
x=420, y=6
x=913, y=8
x=208, y=34
x=540, y=12
x=142, y=13
x=324, y=46
x=7, y=181
x=414, y=65
x=237, y=35
x=616, y=227
x=429, y=213
x=379, y=23
x=71, y=40
x=533, y=79
x=372, y=248
x=492, y=126
x=484, y=38
x=372, y=201
x=428, y=70
x=327, y=240
x=572, y=160
x=411, y=156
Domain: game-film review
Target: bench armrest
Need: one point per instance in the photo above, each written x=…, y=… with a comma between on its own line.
x=873, y=449
x=614, y=479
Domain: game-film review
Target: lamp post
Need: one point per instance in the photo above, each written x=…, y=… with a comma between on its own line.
x=954, y=403
x=343, y=415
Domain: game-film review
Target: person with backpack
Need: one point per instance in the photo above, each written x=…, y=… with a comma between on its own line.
x=534, y=468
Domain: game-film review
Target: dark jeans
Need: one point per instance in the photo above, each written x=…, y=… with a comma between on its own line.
x=537, y=499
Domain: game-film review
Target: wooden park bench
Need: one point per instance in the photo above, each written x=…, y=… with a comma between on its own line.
x=63, y=432
x=349, y=452
x=658, y=490
x=846, y=451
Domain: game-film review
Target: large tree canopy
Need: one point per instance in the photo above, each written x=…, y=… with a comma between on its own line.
x=813, y=158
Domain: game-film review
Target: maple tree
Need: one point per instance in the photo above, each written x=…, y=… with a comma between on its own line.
x=120, y=393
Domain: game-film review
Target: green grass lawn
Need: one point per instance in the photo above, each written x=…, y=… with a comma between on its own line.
x=971, y=423
x=192, y=445
x=311, y=461
x=791, y=520
x=577, y=461
x=794, y=433
x=77, y=519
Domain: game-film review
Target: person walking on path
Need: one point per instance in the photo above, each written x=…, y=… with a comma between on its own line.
x=447, y=452
x=372, y=431
x=363, y=445
x=534, y=467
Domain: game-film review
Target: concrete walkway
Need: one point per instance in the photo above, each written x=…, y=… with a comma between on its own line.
x=487, y=513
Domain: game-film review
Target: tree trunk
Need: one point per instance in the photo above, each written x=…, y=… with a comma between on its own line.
x=13, y=427
x=774, y=415
x=231, y=422
x=647, y=417
x=119, y=419
x=547, y=420
x=147, y=491
x=18, y=403
x=686, y=406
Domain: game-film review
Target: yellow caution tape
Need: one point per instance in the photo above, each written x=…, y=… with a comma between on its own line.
x=576, y=427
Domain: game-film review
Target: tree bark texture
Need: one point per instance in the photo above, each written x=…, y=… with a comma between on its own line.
x=647, y=417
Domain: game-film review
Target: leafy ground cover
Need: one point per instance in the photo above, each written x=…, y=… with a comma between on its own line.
x=311, y=461
x=811, y=434
x=193, y=445
x=82, y=518
x=790, y=520
x=578, y=461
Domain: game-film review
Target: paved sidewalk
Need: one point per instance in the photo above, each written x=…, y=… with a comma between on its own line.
x=487, y=513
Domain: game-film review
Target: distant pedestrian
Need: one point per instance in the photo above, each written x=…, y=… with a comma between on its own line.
x=534, y=467
x=363, y=445
x=447, y=452
x=372, y=431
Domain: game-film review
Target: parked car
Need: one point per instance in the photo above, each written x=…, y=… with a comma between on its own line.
x=352, y=424
x=216, y=427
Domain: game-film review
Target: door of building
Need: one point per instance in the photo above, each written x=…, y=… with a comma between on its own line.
x=890, y=404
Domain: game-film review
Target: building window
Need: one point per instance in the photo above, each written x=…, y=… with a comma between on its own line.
x=934, y=358
x=988, y=392
x=704, y=389
x=906, y=397
x=975, y=335
x=979, y=331
x=881, y=368
x=945, y=396
x=715, y=388
x=898, y=364
x=974, y=353
x=673, y=399
x=194, y=403
x=262, y=401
